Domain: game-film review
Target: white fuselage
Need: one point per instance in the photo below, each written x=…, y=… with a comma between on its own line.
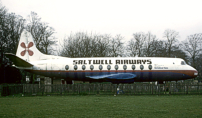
x=157, y=63
x=144, y=68
x=105, y=69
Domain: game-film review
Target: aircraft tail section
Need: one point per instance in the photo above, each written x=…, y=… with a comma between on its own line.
x=27, y=48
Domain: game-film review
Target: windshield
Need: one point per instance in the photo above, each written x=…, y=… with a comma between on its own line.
x=183, y=63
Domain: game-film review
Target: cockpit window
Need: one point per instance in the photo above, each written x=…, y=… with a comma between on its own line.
x=183, y=63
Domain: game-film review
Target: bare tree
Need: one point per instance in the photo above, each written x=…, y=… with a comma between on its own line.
x=198, y=65
x=102, y=45
x=132, y=49
x=151, y=45
x=171, y=37
x=11, y=27
x=86, y=45
x=78, y=45
x=17, y=25
x=193, y=45
x=148, y=45
x=135, y=45
x=91, y=45
x=42, y=33
x=144, y=45
x=116, y=46
x=3, y=28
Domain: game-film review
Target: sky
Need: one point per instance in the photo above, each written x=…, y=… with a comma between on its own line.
x=114, y=17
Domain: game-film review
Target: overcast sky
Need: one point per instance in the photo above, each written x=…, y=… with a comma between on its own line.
x=113, y=17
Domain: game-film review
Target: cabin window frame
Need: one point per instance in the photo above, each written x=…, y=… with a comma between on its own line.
x=75, y=67
x=141, y=67
x=108, y=67
x=116, y=67
x=83, y=67
x=124, y=67
x=150, y=67
x=67, y=67
x=133, y=67
x=91, y=67
x=100, y=67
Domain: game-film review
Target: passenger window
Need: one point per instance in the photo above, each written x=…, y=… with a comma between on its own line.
x=116, y=67
x=91, y=67
x=141, y=67
x=100, y=67
x=83, y=67
x=108, y=67
x=66, y=67
x=75, y=67
x=133, y=67
x=124, y=67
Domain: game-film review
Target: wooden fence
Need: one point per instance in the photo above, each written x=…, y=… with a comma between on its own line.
x=103, y=89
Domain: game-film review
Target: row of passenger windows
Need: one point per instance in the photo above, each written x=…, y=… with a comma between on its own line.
x=108, y=67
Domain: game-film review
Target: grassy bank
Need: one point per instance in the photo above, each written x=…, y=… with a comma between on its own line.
x=102, y=106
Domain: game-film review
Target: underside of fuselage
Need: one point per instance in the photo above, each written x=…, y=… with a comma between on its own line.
x=117, y=76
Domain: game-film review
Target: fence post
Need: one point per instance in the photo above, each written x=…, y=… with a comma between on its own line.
x=184, y=88
x=164, y=88
x=115, y=89
x=61, y=89
x=187, y=88
x=169, y=88
x=23, y=89
x=78, y=88
x=198, y=88
x=41, y=89
x=89, y=86
x=134, y=88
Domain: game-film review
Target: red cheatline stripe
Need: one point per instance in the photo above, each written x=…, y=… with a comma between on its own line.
x=186, y=72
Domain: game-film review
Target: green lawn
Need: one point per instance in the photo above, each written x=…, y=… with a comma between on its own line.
x=102, y=106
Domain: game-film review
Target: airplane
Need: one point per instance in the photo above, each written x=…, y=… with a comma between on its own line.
x=105, y=69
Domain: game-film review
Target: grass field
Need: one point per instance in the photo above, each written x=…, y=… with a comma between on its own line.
x=102, y=106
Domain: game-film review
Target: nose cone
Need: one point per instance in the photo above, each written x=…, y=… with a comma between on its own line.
x=195, y=73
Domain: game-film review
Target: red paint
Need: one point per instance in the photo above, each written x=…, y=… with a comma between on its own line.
x=27, y=48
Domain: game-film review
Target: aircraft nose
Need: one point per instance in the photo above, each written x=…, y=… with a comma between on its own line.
x=195, y=73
